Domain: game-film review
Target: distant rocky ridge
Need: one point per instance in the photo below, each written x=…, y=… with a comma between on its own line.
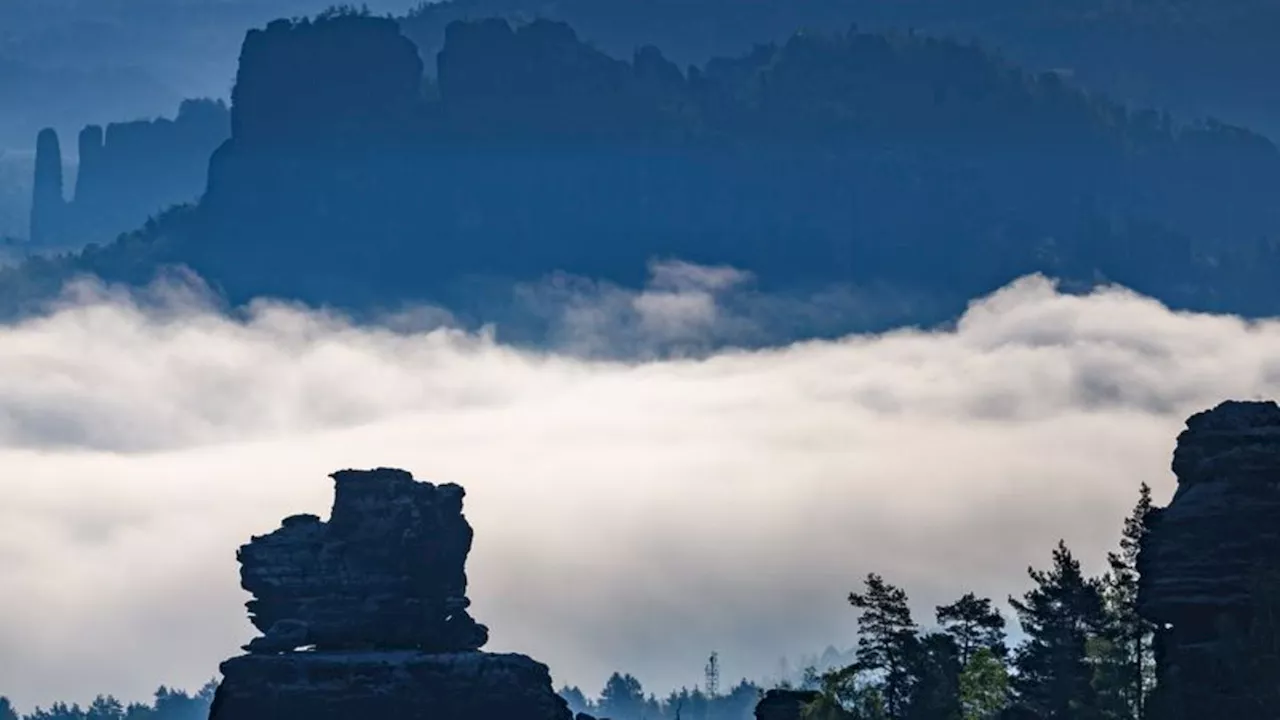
x=784, y=704
x=924, y=166
x=1195, y=57
x=1210, y=564
x=364, y=616
x=126, y=173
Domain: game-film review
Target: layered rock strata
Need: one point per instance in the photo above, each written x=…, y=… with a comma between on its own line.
x=126, y=173
x=386, y=571
x=364, y=616
x=1207, y=560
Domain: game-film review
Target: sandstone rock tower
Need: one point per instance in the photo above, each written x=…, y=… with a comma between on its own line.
x=1209, y=568
x=365, y=616
x=46, y=199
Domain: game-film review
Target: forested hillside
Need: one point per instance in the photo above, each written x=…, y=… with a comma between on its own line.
x=1196, y=57
x=854, y=158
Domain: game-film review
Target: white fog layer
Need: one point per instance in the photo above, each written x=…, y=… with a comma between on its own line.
x=628, y=515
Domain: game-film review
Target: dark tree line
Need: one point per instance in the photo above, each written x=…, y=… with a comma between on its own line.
x=1199, y=56
x=623, y=698
x=1086, y=653
x=168, y=704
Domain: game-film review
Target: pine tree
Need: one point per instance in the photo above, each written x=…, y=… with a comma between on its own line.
x=974, y=623
x=984, y=686
x=576, y=699
x=886, y=641
x=622, y=696
x=6, y=709
x=845, y=695
x=105, y=708
x=935, y=687
x=1059, y=615
x=1131, y=667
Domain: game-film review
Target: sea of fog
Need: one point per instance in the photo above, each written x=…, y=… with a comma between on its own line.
x=631, y=513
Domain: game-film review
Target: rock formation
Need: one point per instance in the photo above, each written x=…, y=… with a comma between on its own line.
x=780, y=704
x=365, y=616
x=334, y=81
x=47, y=202
x=354, y=181
x=126, y=173
x=1209, y=559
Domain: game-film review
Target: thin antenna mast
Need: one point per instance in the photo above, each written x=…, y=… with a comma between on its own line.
x=713, y=675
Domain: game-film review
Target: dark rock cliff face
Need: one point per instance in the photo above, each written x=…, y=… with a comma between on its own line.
x=325, y=118
x=327, y=82
x=47, y=203
x=1207, y=557
x=386, y=571
x=1173, y=62
x=364, y=616
x=129, y=172
x=352, y=180
x=386, y=686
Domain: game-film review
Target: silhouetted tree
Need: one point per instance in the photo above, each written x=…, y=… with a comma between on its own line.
x=688, y=704
x=105, y=708
x=6, y=709
x=57, y=711
x=935, y=686
x=887, y=641
x=577, y=701
x=845, y=695
x=737, y=704
x=622, y=697
x=1129, y=657
x=974, y=623
x=1060, y=616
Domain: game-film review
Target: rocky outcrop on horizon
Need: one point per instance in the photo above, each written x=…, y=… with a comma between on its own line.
x=326, y=83
x=926, y=168
x=47, y=202
x=784, y=704
x=386, y=571
x=364, y=615
x=1209, y=566
x=1174, y=61
x=125, y=174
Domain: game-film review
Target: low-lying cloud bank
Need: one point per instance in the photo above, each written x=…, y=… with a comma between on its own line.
x=629, y=514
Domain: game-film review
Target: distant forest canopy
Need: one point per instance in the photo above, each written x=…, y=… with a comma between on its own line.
x=892, y=160
x=1195, y=57
x=67, y=63
x=169, y=704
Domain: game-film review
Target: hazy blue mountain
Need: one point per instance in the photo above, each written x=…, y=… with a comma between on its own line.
x=1194, y=57
x=70, y=63
x=860, y=159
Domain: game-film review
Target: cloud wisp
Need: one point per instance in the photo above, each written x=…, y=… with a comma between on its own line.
x=630, y=514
